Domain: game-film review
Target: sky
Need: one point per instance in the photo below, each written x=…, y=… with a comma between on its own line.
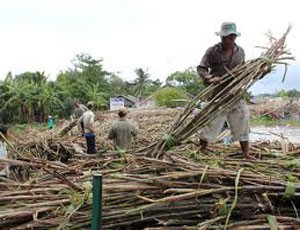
x=162, y=36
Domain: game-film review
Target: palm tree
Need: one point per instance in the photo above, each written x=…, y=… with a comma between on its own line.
x=47, y=100
x=20, y=94
x=94, y=94
x=30, y=100
x=141, y=83
x=6, y=114
x=32, y=77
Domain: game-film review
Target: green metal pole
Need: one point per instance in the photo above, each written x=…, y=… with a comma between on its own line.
x=97, y=202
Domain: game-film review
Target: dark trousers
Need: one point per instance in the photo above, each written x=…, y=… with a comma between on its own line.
x=91, y=144
x=82, y=126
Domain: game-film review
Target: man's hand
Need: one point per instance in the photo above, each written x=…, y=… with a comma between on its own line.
x=215, y=79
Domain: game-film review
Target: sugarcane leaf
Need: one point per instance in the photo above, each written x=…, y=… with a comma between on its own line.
x=169, y=141
x=277, y=154
x=64, y=191
x=292, y=164
x=237, y=179
x=223, y=210
x=289, y=189
x=284, y=74
x=272, y=222
x=87, y=186
x=192, y=154
x=88, y=172
x=121, y=151
x=291, y=178
x=70, y=208
x=295, y=209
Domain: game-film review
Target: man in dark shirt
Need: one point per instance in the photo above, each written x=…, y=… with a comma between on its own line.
x=79, y=109
x=219, y=58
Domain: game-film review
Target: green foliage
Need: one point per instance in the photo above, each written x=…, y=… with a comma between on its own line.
x=86, y=75
x=141, y=82
x=269, y=121
x=30, y=97
x=289, y=93
x=247, y=96
x=96, y=95
x=291, y=178
x=167, y=95
x=188, y=80
x=272, y=222
x=143, y=86
x=289, y=189
x=223, y=207
x=118, y=86
x=292, y=164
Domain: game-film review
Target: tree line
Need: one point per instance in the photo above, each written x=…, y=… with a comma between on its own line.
x=31, y=96
x=288, y=94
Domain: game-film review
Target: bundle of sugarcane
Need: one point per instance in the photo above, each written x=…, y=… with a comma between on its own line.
x=181, y=192
x=38, y=202
x=219, y=155
x=147, y=192
x=230, y=90
x=51, y=146
x=45, y=144
x=271, y=160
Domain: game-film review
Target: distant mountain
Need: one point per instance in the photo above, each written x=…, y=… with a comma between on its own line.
x=273, y=82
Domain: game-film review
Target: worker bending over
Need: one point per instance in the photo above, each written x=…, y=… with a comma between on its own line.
x=219, y=58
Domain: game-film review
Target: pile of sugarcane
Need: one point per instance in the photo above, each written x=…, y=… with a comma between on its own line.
x=56, y=145
x=229, y=91
x=145, y=192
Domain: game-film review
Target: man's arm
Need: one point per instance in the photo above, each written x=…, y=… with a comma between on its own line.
x=242, y=55
x=91, y=122
x=112, y=132
x=205, y=64
x=76, y=113
x=84, y=108
x=79, y=122
x=134, y=130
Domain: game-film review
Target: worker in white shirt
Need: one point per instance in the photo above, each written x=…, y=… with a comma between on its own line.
x=88, y=118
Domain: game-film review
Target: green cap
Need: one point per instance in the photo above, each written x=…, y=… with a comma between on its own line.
x=228, y=28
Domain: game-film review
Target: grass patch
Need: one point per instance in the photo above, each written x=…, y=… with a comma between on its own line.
x=267, y=121
x=19, y=129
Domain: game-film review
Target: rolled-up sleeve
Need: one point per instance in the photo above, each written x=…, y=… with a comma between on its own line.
x=205, y=65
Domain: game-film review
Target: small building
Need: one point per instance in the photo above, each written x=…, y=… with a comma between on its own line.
x=147, y=103
x=129, y=101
